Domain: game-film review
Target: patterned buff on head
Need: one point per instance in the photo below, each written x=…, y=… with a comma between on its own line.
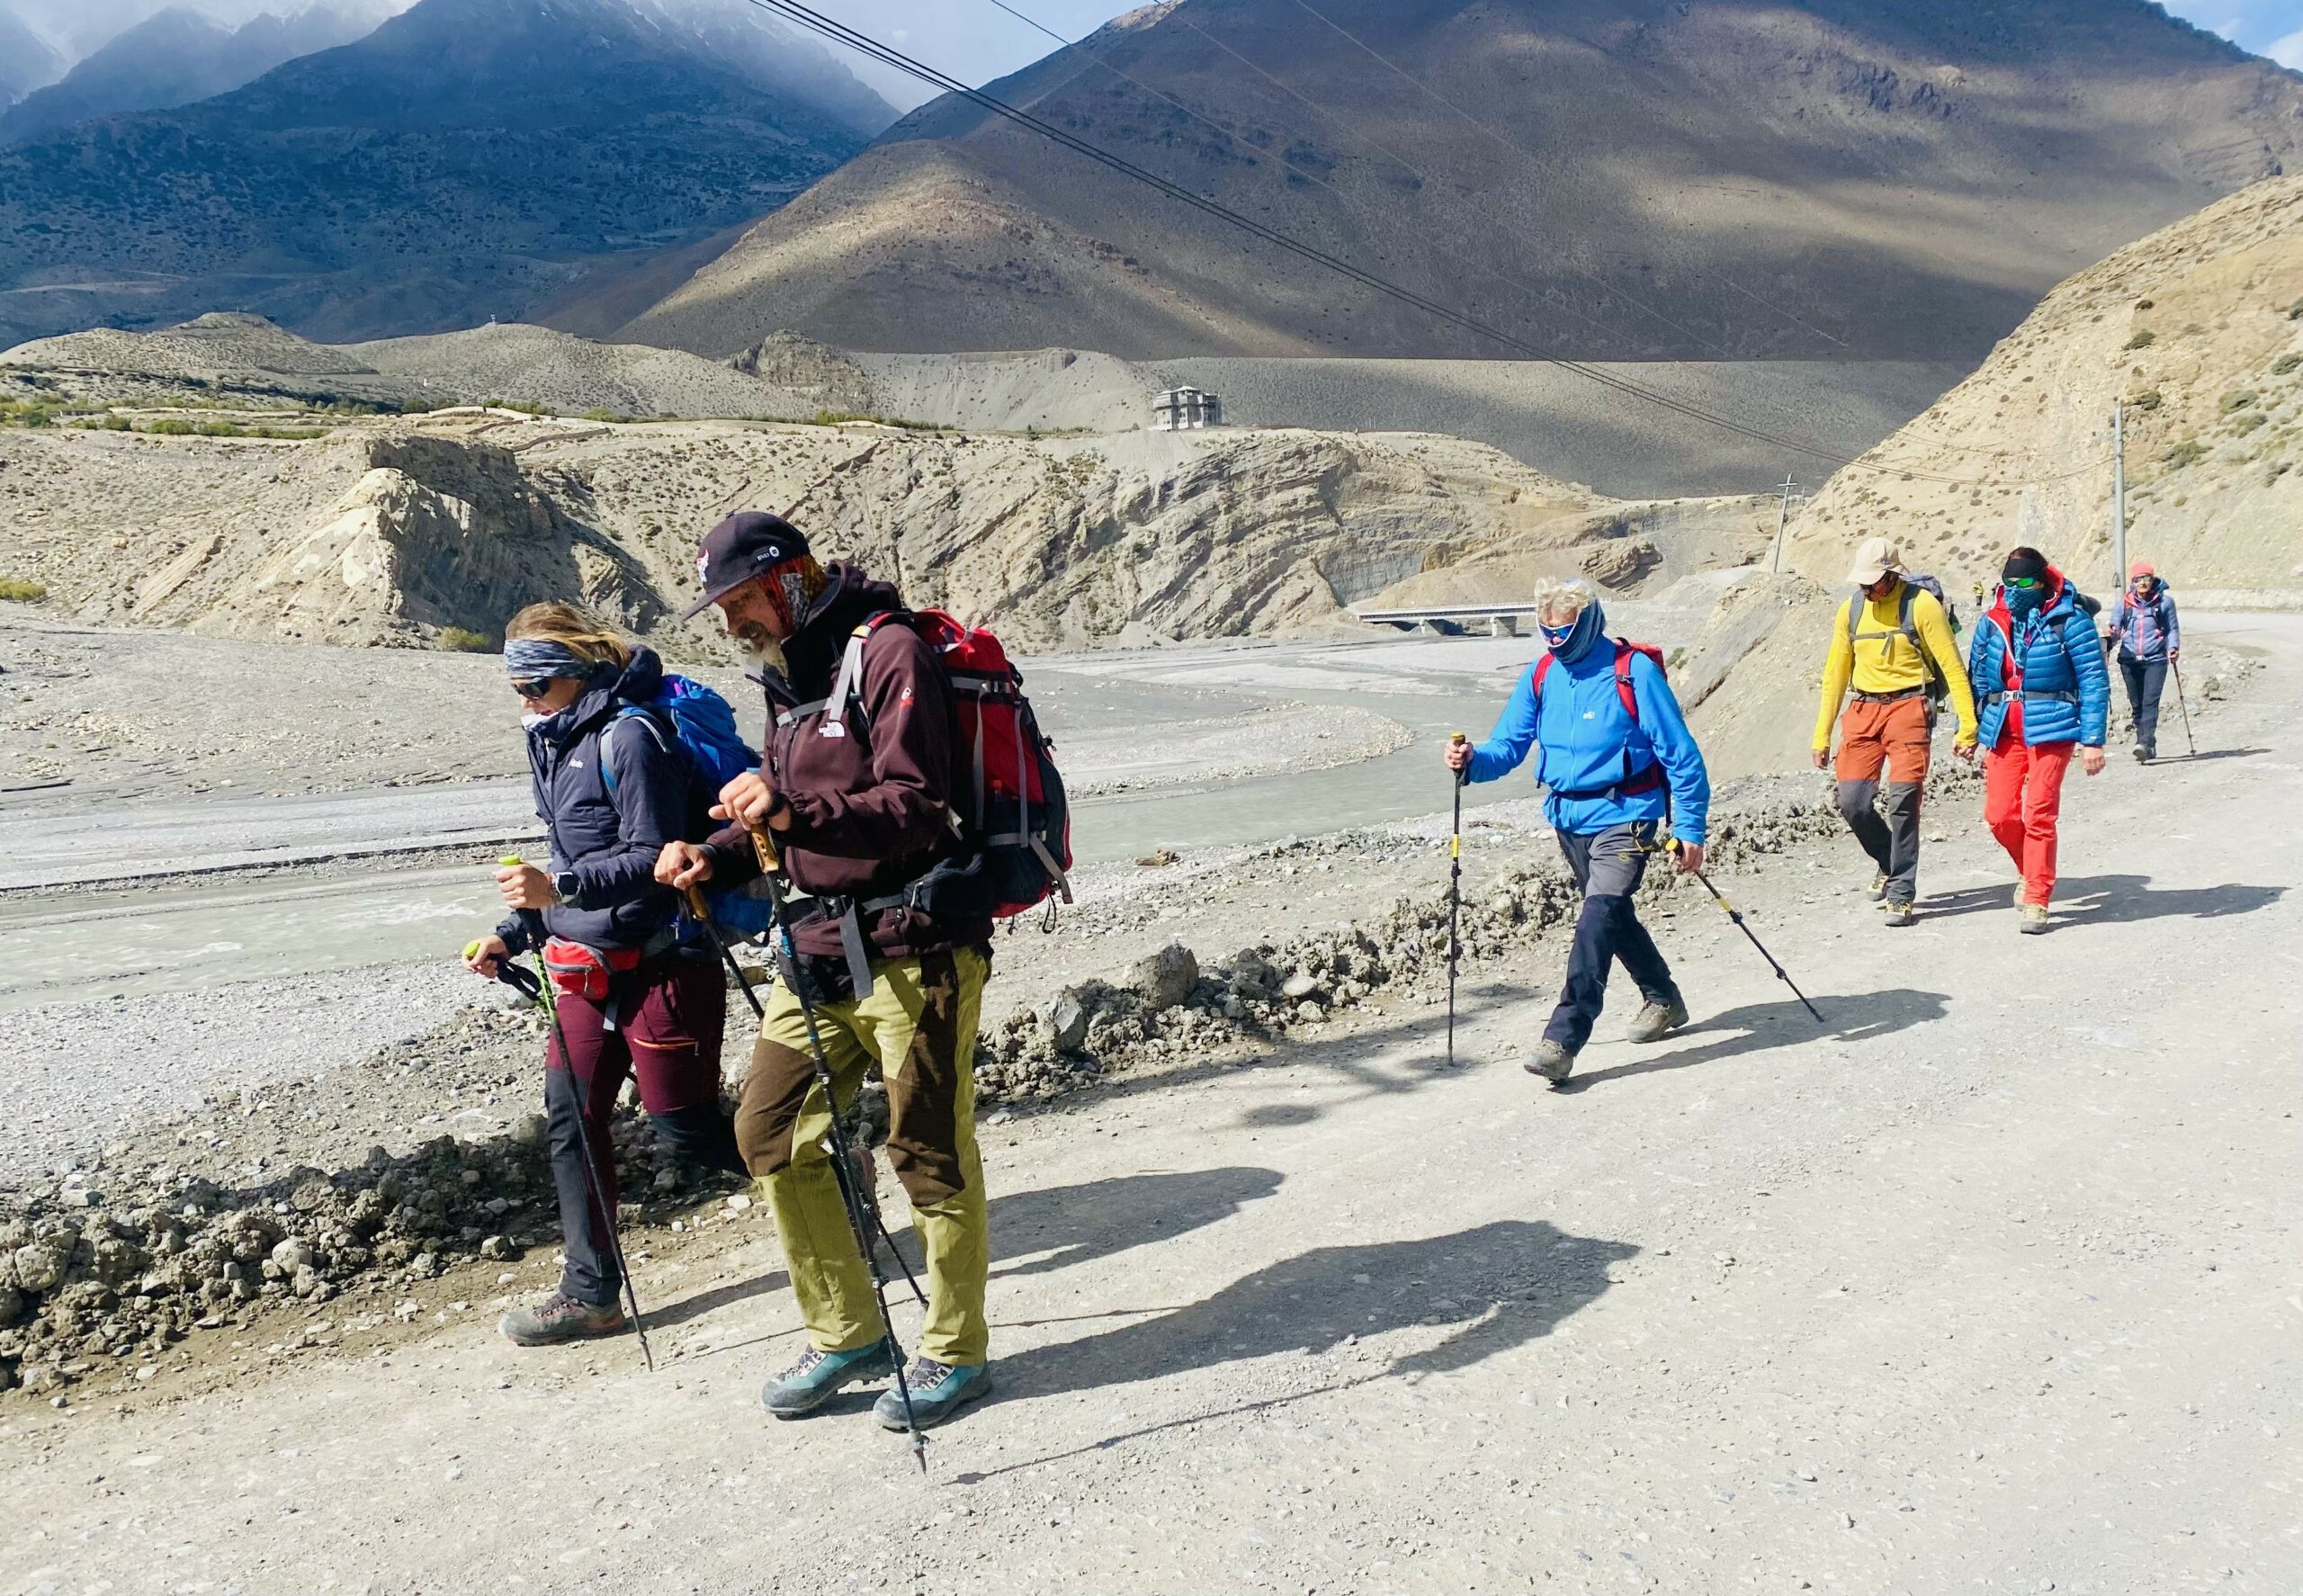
x=793, y=587
x=2024, y=578
x=1570, y=642
x=525, y=658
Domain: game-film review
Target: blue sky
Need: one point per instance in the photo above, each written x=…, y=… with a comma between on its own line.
x=973, y=39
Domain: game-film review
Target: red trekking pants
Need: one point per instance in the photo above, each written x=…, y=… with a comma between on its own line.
x=2022, y=799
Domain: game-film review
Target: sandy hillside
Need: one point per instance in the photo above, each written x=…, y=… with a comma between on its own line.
x=534, y=365
x=2198, y=331
x=390, y=530
x=1560, y=423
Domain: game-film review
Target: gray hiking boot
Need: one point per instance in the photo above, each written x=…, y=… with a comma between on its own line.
x=1898, y=914
x=1550, y=1061
x=819, y=1376
x=1657, y=1021
x=562, y=1318
x=938, y=1390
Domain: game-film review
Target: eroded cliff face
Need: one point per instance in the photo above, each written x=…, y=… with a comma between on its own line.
x=393, y=532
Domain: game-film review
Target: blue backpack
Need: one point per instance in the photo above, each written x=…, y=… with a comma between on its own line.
x=704, y=728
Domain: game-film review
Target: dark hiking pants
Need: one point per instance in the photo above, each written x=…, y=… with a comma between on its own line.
x=2145, y=678
x=1609, y=867
x=669, y=1016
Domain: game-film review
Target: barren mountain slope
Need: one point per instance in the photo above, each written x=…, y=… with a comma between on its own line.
x=466, y=159
x=2199, y=330
x=389, y=531
x=1630, y=179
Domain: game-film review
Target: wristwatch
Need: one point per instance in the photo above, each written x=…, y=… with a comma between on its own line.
x=564, y=886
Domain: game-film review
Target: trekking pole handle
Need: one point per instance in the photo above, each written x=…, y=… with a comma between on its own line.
x=765, y=849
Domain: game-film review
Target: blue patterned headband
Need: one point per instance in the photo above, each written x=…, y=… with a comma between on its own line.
x=530, y=657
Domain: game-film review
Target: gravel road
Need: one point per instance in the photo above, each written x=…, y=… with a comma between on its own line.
x=1986, y=1284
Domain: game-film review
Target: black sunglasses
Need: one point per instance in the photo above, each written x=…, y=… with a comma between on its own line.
x=534, y=689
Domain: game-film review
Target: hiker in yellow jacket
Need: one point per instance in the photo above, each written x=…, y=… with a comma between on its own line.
x=1890, y=653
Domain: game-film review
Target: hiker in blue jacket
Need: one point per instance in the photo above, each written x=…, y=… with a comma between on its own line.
x=2149, y=641
x=1623, y=773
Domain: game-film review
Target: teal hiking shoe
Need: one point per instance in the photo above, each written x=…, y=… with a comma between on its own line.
x=938, y=1391
x=819, y=1376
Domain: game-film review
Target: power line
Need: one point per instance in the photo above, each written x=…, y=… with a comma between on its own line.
x=840, y=33
x=1106, y=62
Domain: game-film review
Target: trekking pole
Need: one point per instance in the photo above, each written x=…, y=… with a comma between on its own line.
x=703, y=916
x=1736, y=915
x=2177, y=672
x=536, y=985
x=1454, y=899
x=862, y=1216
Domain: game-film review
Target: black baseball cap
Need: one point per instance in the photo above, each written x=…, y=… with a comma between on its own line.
x=738, y=549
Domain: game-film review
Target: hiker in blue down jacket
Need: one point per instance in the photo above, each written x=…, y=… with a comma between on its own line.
x=1621, y=767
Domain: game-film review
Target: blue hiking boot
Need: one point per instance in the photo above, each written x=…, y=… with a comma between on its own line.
x=938, y=1391
x=819, y=1376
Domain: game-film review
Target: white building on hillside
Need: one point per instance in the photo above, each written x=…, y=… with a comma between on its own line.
x=1180, y=409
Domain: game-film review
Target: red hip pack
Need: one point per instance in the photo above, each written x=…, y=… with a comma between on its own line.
x=578, y=969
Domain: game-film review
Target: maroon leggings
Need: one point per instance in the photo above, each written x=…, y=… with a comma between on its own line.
x=668, y=1017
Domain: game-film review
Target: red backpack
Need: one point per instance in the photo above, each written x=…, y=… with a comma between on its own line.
x=1011, y=807
x=1649, y=779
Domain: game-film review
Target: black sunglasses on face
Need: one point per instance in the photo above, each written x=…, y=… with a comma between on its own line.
x=534, y=689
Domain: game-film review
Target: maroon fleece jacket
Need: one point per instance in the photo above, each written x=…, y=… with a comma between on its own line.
x=869, y=810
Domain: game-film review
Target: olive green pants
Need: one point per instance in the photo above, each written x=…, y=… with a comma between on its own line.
x=919, y=1023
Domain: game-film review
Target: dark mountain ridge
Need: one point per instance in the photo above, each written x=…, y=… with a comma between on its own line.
x=175, y=58
x=1609, y=179
x=463, y=161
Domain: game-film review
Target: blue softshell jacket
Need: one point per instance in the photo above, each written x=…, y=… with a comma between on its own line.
x=1581, y=734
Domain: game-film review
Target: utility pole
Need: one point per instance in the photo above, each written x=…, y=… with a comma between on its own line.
x=1782, y=520
x=2119, y=494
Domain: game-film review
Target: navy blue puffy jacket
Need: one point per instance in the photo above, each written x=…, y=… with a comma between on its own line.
x=609, y=840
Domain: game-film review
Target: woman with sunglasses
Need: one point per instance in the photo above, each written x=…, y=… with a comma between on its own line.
x=613, y=786
x=2039, y=666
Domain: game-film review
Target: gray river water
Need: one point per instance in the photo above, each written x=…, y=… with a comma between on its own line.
x=119, y=939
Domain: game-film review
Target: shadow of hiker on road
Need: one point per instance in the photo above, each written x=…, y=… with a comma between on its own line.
x=1847, y=1018
x=1070, y=1223
x=1497, y=1286
x=2123, y=897
x=2204, y=754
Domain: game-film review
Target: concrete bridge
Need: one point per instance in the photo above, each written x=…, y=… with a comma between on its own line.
x=1453, y=620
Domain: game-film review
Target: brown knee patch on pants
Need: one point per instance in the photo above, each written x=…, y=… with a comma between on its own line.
x=773, y=1095
x=924, y=1095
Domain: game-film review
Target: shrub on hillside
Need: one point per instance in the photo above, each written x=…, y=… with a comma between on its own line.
x=2143, y=339
x=21, y=591
x=464, y=641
